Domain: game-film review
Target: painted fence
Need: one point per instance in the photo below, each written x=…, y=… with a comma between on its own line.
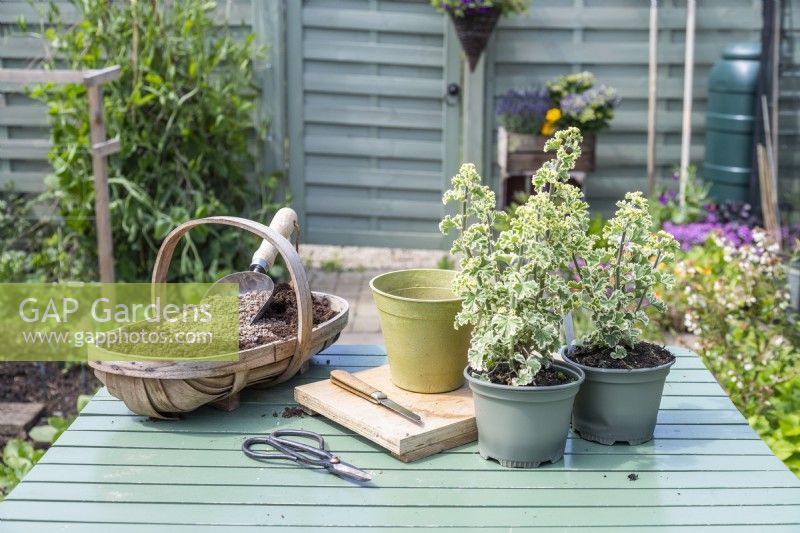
x=358, y=89
x=610, y=38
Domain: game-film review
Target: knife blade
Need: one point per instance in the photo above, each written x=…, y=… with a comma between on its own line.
x=352, y=384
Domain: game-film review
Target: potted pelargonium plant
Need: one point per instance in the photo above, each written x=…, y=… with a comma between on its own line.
x=624, y=375
x=475, y=20
x=515, y=295
x=528, y=116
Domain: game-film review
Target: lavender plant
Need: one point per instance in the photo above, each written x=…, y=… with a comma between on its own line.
x=620, y=278
x=524, y=110
x=513, y=283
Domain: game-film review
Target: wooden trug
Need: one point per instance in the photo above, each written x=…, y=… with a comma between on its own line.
x=163, y=389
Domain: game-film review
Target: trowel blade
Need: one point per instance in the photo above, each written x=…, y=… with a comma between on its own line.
x=249, y=282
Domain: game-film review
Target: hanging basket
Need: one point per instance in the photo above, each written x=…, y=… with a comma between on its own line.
x=164, y=389
x=474, y=30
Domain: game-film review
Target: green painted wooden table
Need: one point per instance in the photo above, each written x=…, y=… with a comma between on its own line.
x=113, y=471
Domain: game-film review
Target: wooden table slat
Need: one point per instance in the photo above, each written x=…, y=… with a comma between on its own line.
x=113, y=471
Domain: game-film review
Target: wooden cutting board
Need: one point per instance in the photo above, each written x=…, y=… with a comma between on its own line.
x=448, y=419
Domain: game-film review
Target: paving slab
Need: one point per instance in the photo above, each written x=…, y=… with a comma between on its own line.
x=16, y=417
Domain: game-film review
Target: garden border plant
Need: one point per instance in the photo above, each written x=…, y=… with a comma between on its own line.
x=624, y=375
x=183, y=108
x=516, y=293
x=735, y=301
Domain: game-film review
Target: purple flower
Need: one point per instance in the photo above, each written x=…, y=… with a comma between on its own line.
x=629, y=287
x=524, y=110
x=575, y=103
x=695, y=233
x=666, y=197
x=532, y=101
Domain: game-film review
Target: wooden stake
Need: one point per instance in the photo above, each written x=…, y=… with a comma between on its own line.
x=769, y=207
x=97, y=133
x=101, y=147
x=768, y=176
x=652, y=98
x=688, y=80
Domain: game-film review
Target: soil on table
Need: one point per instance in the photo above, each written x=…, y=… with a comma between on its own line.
x=643, y=355
x=546, y=377
x=280, y=322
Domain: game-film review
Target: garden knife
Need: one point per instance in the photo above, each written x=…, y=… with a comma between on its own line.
x=350, y=383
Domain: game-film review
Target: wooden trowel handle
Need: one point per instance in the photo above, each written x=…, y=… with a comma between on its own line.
x=349, y=382
x=283, y=222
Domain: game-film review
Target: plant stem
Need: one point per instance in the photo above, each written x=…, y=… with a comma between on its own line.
x=655, y=264
x=577, y=267
x=619, y=263
x=464, y=222
x=619, y=259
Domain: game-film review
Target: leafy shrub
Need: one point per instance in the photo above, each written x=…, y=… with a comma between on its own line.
x=56, y=425
x=34, y=247
x=736, y=302
x=668, y=208
x=183, y=107
x=515, y=293
x=620, y=278
x=18, y=457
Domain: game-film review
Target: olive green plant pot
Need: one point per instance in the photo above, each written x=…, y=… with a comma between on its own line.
x=618, y=405
x=523, y=427
x=417, y=311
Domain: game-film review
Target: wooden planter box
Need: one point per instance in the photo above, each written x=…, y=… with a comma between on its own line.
x=520, y=155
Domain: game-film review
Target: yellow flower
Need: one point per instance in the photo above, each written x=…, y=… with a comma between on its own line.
x=547, y=129
x=553, y=114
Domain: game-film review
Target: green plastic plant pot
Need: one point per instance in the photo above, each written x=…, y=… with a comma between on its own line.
x=523, y=427
x=618, y=405
x=417, y=311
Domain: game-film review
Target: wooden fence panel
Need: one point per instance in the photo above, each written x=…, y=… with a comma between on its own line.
x=372, y=137
x=610, y=38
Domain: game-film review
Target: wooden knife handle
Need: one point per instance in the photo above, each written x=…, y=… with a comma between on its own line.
x=349, y=382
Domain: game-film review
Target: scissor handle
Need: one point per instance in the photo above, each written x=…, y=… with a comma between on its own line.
x=303, y=453
x=287, y=449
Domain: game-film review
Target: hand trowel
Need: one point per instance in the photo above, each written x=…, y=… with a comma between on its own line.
x=256, y=279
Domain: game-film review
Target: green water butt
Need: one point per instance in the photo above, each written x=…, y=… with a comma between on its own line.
x=417, y=311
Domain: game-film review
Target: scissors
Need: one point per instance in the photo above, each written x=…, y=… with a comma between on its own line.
x=303, y=454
